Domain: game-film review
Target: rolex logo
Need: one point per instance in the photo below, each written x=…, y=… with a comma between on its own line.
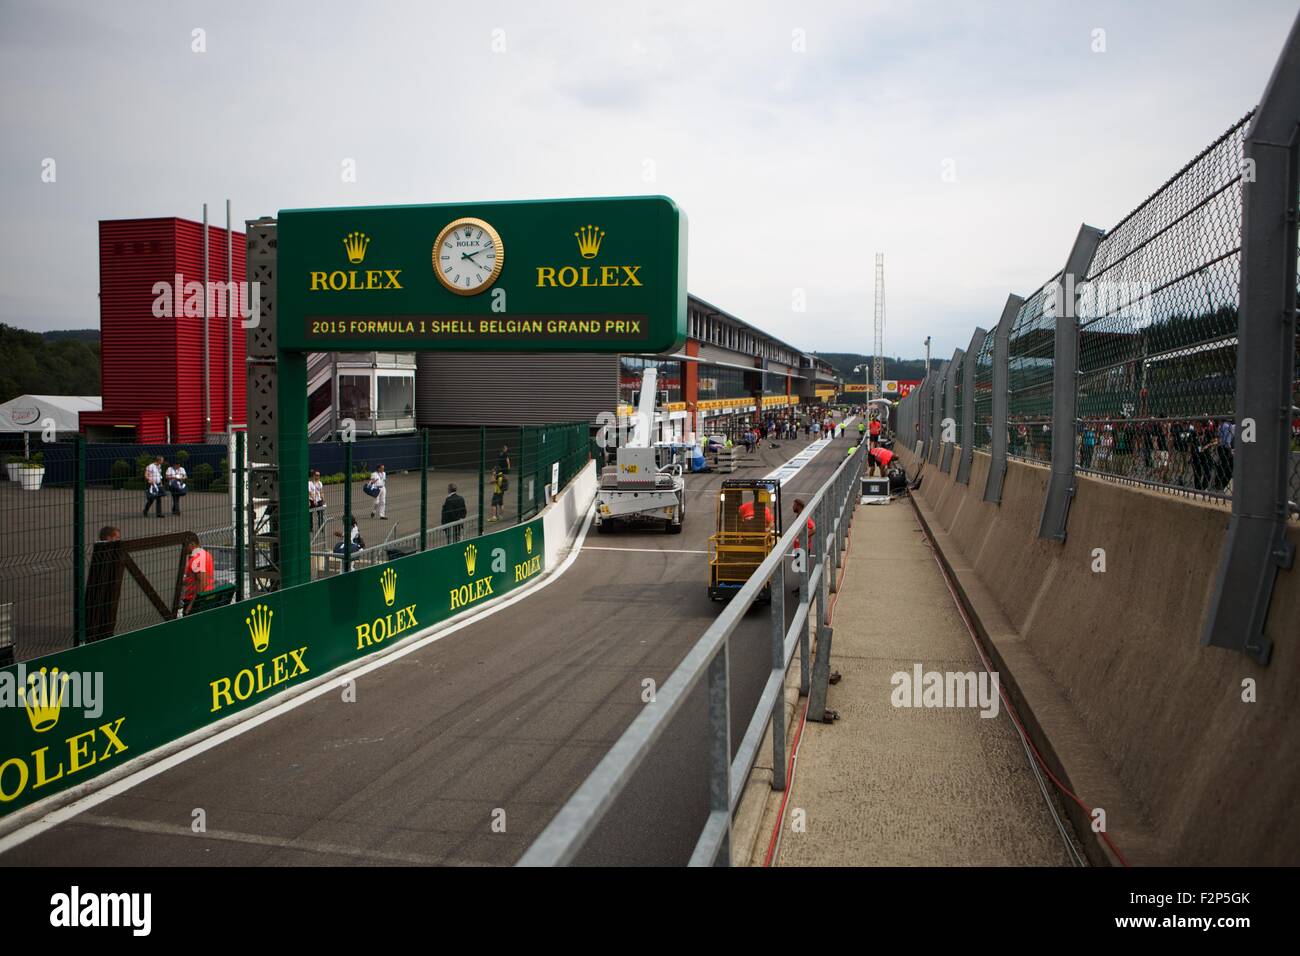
x=355, y=243
x=259, y=626
x=388, y=581
x=528, y=540
x=471, y=556
x=43, y=698
x=589, y=238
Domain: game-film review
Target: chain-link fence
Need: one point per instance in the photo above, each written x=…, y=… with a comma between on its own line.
x=982, y=429
x=1031, y=354
x=99, y=538
x=1158, y=332
x=1158, y=313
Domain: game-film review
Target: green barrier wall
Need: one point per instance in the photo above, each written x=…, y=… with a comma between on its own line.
x=163, y=682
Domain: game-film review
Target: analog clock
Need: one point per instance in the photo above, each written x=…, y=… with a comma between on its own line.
x=468, y=256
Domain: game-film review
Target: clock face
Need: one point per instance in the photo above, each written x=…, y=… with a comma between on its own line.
x=468, y=256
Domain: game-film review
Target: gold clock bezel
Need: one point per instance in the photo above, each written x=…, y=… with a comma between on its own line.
x=497, y=244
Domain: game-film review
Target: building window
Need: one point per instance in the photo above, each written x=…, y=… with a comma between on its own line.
x=354, y=397
x=629, y=378
x=396, y=396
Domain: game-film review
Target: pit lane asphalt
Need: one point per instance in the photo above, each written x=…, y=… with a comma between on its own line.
x=498, y=722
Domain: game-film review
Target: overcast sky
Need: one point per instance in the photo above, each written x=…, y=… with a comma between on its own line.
x=799, y=138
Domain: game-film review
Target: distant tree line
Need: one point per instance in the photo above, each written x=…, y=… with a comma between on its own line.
x=53, y=363
x=844, y=363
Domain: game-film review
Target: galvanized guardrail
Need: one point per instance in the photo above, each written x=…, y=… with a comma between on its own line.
x=831, y=509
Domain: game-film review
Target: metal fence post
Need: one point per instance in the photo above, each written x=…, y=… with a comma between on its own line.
x=482, y=473
x=519, y=492
x=1065, y=374
x=347, y=506
x=805, y=598
x=1255, y=547
x=1001, y=393
x=239, y=515
x=938, y=400
x=967, y=410
x=720, y=750
x=950, y=410
x=424, y=487
x=778, y=667
x=79, y=542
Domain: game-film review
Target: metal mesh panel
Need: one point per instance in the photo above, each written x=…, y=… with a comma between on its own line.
x=1158, y=332
x=958, y=389
x=1293, y=494
x=983, y=421
x=1030, y=359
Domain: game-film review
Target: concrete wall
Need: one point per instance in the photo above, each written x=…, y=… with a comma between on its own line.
x=1214, y=778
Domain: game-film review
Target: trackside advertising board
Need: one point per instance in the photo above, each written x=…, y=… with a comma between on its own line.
x=160, y=683
x=577, y=275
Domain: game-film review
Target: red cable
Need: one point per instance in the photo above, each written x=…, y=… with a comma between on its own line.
x=1011, y=710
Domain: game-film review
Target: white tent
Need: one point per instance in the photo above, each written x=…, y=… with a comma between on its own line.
x=28, y=413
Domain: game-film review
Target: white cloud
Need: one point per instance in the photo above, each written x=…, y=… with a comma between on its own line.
x=793, y=167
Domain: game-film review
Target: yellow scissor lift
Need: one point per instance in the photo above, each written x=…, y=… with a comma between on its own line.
x=744, y=537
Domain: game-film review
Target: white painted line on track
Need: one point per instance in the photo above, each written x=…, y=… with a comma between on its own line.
x=111, y=785
x=648, y=550
x=796, y=464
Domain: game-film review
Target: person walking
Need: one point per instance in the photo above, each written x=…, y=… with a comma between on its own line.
x=379, y=482
x=453, y=513
x=153, y=486
x=315, y=499
x=176, y=487
x=503, y=459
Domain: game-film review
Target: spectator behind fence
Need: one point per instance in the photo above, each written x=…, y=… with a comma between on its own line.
x=377, y=488
x=176, y=487
x=499, y=485
x=357, y=544
x=153, y=485
x=454, y=512
x=110, y=533
x=315, y=499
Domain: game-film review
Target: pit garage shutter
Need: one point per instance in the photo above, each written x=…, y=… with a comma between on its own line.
x=508, y=388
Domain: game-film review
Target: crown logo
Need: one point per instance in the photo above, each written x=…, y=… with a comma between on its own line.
x=355, y=243
x=388, y=581
x=528, y=540
x=589, y=240
x=471, y=556
x=39, y=697
x=259, y=626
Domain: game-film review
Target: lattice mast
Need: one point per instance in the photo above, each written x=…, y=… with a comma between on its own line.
x=878, y=355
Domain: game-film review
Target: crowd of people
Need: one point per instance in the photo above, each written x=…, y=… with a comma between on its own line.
x=1195, y=453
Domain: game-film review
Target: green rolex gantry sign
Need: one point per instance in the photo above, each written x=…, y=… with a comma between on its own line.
x=569, y=275
x=563, y=275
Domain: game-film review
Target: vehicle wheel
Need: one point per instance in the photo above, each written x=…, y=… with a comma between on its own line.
x=674, y=528
x=602, y=528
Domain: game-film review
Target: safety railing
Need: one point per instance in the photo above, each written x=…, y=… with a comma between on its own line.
x=831, y=510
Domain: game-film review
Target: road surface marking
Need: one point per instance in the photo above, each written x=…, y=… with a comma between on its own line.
x=648, y=550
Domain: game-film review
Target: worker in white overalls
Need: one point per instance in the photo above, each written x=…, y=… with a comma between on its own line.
x=378, y=480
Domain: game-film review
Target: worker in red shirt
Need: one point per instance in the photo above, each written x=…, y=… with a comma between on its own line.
x=198, y=573
x=875, y=428
x=879, y=458
x=746, y=512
